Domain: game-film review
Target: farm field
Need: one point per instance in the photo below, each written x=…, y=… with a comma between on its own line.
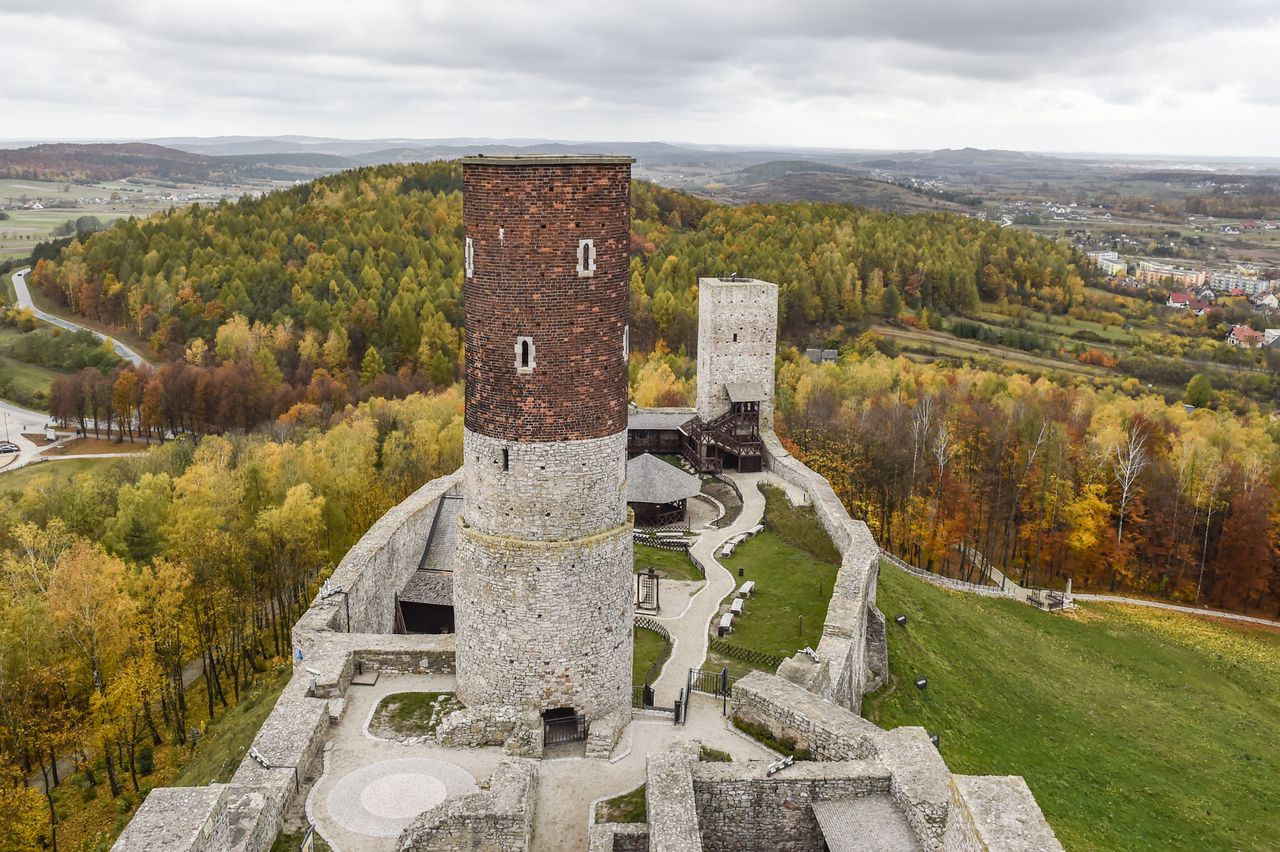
x=1135, y=728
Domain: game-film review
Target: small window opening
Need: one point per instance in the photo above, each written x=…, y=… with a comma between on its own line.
x=525, y=355
x=506, y=459
x=626, y=343
x=735, y=337
x=586, y=258
x=470, y=258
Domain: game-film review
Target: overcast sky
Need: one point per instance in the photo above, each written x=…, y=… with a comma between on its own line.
x=1144, y=76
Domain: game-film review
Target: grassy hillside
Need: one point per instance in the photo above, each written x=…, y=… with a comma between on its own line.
x=1136, y=729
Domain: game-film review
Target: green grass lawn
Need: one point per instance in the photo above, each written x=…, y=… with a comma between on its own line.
x=58, y=471
x=650, y=649
x=227, y=738
x=671, y=564
x=793, y=564
x=1135, y=728
x=414, y=714
x=7, y=293
x=25, y=380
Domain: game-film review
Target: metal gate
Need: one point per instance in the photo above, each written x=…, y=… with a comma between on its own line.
x=711, y=682
x=564, y=729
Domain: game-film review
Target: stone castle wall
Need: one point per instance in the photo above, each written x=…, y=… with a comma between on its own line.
x=737, y=342
x=843, y=674
x=741, y=808
x=545, y=624
x=549, y=490
x=499, y=819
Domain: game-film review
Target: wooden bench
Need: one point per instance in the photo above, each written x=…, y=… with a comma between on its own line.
x=735, y=608
x=745, y=590
x=726, y=623
x=727, y=548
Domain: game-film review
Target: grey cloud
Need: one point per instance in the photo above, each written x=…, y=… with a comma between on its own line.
x=664, y=64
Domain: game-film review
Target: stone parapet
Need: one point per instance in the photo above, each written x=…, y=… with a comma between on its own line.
x=741, y=807
x=670, y=801
x=842, y=675
x=996, y=813
x=618, y=837
x=920, y=779
x=184, y=818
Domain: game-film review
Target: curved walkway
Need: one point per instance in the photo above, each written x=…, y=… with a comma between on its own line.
x=25, y=301
x=689, y=629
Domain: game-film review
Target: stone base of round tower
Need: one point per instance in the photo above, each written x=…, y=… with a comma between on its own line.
x=545, y=625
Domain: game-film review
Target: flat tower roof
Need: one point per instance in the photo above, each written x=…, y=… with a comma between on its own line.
x=547, y=160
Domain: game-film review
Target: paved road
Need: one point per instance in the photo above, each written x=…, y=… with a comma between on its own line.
x=24, y=301
x=14, y=420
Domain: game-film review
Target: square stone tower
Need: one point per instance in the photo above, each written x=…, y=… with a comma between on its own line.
x=542, y=588
x=737, y=345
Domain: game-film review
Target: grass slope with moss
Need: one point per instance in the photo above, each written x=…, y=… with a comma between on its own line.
x=651, y=650
x=1135, y=728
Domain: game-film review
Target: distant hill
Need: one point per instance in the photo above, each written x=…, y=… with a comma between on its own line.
x=834, y=185
x=103, y=162
x=969, y=162
x=112, y=161
x=782, y=168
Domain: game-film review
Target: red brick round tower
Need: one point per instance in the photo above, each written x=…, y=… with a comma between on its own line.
x=542, y=591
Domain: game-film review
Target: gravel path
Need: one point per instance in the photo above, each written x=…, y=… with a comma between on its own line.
x=689, y=629
x=1189, y=610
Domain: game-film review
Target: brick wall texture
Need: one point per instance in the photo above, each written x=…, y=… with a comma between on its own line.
x=526, y=284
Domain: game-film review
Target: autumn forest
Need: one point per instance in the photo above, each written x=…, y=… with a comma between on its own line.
x=307, y=348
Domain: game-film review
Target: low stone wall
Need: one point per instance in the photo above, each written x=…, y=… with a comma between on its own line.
x=194, y=819
x=948, y=582
x=518, y=731
x=921, y=780
x=499, y=819
x=996, y=813
x=741, y=808
x=618, y=837
x=669, y=800
x=842, y=674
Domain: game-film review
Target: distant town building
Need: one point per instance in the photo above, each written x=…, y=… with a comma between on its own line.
x=1242, y=335
x=822, y=356
x=1270, y=336
x=1156, y=272
x=1248, y=284
x=1109, y=262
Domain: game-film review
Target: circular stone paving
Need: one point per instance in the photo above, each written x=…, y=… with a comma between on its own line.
x=380, y=800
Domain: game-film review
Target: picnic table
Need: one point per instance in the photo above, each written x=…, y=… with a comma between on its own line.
x=726, y=623
x=745, y=590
